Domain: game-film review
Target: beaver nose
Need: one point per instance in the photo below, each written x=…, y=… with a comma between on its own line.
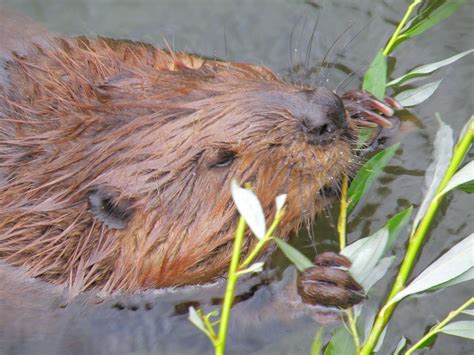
x=318, y=126
x=321, y=114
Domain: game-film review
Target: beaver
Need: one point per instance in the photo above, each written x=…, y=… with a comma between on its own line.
x=116, y=159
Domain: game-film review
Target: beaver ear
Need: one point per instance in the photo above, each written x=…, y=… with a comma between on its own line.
x=109, y=208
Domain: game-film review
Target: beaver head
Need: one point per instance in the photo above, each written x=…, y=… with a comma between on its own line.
x=116, y=160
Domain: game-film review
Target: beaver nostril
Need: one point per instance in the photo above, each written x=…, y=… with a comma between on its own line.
x=324, y=129
x=318, y=128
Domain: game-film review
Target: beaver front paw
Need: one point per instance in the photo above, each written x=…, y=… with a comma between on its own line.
x=367, y=111
x=329, y=283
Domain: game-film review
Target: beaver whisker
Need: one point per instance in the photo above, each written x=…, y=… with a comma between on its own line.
x=338, y=55
x=326, y=55
x=310, y=44
x=357, y=74
x=291, y=40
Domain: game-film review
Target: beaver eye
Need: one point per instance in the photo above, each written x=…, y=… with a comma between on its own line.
x=109, y=209
x=224, y=159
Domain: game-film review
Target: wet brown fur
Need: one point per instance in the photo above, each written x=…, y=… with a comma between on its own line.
x=148, y=123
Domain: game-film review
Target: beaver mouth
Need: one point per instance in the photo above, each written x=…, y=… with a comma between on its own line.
x=360, y=114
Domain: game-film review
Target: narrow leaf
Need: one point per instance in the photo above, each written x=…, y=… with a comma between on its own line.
x=469, y=124
x=428, y=342
x=317, y=345
x=367, y=174
x=354, y=248
x=400, y=346
x=413, y=97
x=367, y=256
x=395, y=225
x=379, y=344
x=214, y=313
x=280, y=202
x=467, y=187
x=377, y=273
x=249, y=208
x=341, y=343
x=442, y=152
x=370, y=311
x=256, y=267
x=465, y=276
x=428, y=68
x=462, y=328
x=469, y=312
x=464, y=175
x=296, y=257
x=450, y=265
x=431, y=16
x=195, y=318
x=376, y=76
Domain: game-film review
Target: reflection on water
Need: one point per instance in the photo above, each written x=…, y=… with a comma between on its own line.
x=278, y=34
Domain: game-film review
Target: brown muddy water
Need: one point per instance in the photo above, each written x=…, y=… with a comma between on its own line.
x=259, y=32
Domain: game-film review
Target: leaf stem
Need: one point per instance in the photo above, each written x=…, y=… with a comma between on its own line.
x=353, y=329
x=341, y=223
x=440, y=326
x=229, y=291
x=415, y=241
x=261, y=243
x=389, y=47
x=209, y=326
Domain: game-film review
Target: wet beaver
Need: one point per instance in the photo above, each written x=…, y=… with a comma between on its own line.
x=116, y=159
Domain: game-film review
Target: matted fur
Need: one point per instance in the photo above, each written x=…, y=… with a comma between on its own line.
x=77, y=114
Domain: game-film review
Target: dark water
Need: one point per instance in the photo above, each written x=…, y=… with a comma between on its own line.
x=259, y=32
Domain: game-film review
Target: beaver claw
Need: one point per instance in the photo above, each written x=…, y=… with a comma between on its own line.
x=329, y=282
x=362, y=108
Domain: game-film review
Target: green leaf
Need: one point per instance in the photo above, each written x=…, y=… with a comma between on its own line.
x=317, y=345
x=464, y=175
x=375, y=77
x=400, y=346
x=466, y=276
x=367, y=174
x=430, y=16
x=393, y=227
x=469, y=312
x=256, y=267
x=377, y=272
x=379, y=344
x=413, y=97
x=366, y=256
x=396, y=224
x=442, y=152
x=467, y=187
x=368, y=310
x=341, y=343
x=449, y=266
x=467, y=126
x=295, y=256
x=428, y=342
x=280, y=202
x=428, y=68
x=196, y=319
x=249, y=208
x=462, y=328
